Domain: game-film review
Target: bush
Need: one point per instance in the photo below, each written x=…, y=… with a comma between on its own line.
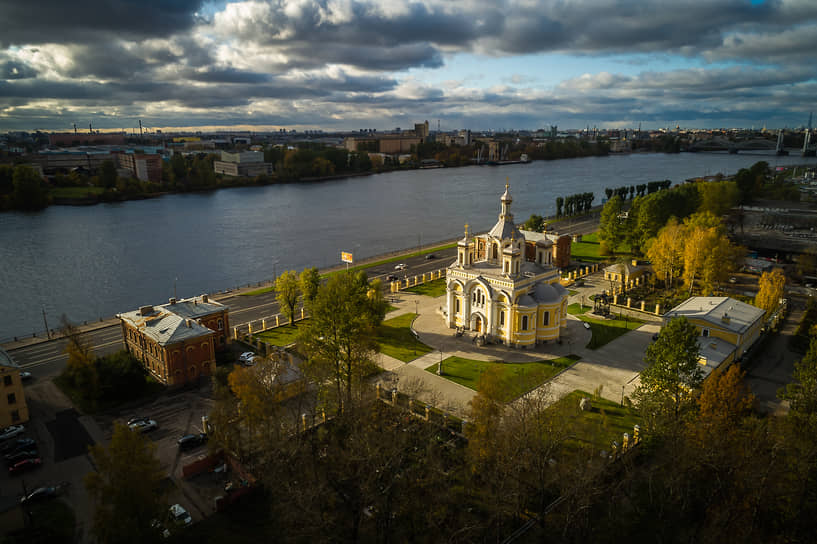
x=111, y=379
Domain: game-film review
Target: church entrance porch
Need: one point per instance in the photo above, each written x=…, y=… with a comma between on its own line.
x=478, y=324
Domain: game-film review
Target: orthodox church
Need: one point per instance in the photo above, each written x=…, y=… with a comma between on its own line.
x=495, y=291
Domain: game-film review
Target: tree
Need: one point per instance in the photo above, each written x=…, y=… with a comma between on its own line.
x=666, y=252
x=80, y=369
x=339, y=337
x=611, y=226
x=309, y=280
x=534, y=223
x=287, y=291
x=107, y=174
x=718, y=197
x=771, y=291
x=559, y=202
x=29, y=191
x=126, y=488
x=672, y=373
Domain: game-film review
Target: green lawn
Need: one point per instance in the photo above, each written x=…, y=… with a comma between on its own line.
x=283, y=335
x=396, y=340
x=606, y=330
x=520, y=377
x=260, y=291
x=605, y=422
x=433, y=289
x=587, y=250
x=577, y=309
x=76, y=192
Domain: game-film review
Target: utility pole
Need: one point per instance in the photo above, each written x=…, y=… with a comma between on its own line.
x=47, y=331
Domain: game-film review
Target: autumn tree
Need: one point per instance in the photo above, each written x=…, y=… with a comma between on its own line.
x=126, y=488
x=339, y=336
x=309, y=281
x=80, y=369
x=666, y=252
x=718, y=197
x=287, y=291
x=29, y=192
x=611, y=225
x=771, y=291
x=485, y=415
x=672, y=373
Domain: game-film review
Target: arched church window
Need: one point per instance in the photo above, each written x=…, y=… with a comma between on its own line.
x=524, y=322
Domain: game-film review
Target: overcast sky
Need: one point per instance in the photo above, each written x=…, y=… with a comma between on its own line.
x=350, y=64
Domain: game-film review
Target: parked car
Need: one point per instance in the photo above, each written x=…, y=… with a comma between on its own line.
x=26, y=376
x=400, y=266
x=143, y=425
x=133, y=420
x=16, y=457
x=391, y=277
x=41, y=493
x=180, y=516
x=733, y=279
x=20, y=444
x=11, y=432
x=191, y=441
x=24, y=465
x=246, y=356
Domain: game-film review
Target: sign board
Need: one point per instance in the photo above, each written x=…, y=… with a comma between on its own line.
x=346, y=257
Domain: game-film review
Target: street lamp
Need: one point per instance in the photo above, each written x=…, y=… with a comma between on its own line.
x=440, y=366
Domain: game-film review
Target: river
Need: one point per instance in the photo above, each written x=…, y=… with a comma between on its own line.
x=92, y=262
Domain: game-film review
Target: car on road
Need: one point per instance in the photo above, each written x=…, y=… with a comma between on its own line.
x=192, y=441
x=391, y=277
x=17, y=456
x=733, y=279
x=430, y=256
x=143, y=425
x=133, y=420
x=180, y=516
x=26, y=376
x=400, y=266
x=25, y=465
x=39, y=494
x=11, y=432
x=246, y=356
x=20, y=444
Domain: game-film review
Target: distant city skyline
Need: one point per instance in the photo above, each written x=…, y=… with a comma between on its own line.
x=349, y=64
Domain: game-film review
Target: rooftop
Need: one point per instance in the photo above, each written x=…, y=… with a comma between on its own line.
x=723, y=312
x=6, y=360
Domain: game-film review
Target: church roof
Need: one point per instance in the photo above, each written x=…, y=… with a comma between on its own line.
x=504, y=230
x=526, y=301
x=548, y=292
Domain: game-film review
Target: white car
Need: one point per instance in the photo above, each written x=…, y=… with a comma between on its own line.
x=246, y=356
x=143, y=425
x=11, y=432
x=400, y=266
x=180, y=516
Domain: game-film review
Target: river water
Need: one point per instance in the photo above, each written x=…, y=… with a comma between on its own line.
x=92, y=262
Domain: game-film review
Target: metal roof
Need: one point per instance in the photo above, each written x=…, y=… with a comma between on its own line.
x=165, y=327
x=722, y=312
x=6, y=360
x=193, y=308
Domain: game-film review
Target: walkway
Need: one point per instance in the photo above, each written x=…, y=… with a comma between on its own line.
x=613, y=368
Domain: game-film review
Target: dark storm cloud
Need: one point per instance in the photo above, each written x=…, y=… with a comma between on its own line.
x=227, y=75
x=60, y=21
x=16, y=70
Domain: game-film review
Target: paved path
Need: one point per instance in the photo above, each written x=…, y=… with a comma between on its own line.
x=613, y=368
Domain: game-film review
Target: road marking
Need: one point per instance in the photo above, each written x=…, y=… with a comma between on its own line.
x=64, y=356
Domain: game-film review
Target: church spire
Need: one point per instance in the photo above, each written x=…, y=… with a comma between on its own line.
x=506, y=204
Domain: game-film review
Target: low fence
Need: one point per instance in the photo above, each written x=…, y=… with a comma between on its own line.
x=413, y=281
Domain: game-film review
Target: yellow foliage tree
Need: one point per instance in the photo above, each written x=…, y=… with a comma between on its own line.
x=771, y=290
x=666, y=252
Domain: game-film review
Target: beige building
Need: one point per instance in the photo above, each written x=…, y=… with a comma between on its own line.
x=727, y=328
x=13, y=407
x=495, y=291
x=244, y=163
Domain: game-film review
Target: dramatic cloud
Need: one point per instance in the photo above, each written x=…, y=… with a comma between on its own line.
x=382, y=63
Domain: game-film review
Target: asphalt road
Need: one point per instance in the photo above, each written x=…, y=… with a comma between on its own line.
x=47, y=359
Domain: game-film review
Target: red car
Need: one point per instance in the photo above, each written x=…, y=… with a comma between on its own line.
x=24, y=465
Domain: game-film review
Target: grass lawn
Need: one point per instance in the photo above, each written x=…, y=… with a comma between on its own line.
x=605, y=422
x=587, y=250
x=76, y=192
x=433, y=289
x=578, y=309
x=260, y=291
x=606, y=330
x=520, y=377
x=396, y=340
x=283, y=335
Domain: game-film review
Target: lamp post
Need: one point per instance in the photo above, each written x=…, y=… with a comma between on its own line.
x=440, y=366
x=622, y=394
x=413, y=332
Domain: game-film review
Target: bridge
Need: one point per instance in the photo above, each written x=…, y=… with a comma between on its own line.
x=735, y=146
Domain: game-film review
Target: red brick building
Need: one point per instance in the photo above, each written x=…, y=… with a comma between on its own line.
x=176, y=342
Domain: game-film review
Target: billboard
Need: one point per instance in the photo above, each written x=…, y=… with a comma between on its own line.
x=346, y=257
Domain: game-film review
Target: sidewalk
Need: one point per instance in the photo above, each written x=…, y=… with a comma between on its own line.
x=613, y=368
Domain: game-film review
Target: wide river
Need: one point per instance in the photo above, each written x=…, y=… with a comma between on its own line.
x=92, y=262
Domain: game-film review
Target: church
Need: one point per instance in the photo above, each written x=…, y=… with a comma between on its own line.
x=496, y=292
